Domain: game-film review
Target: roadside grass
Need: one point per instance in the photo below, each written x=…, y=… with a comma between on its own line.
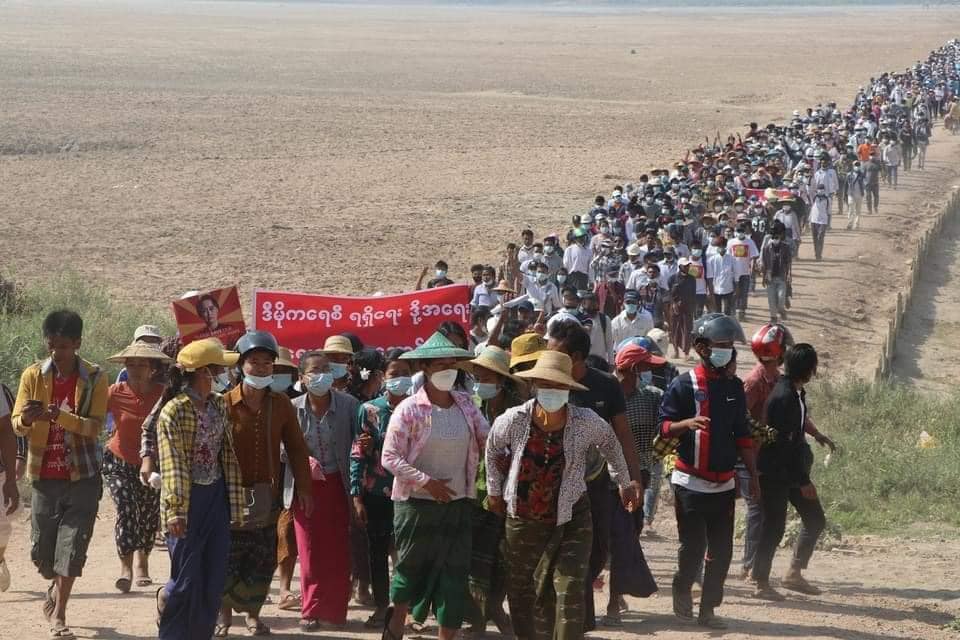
x=108, y=325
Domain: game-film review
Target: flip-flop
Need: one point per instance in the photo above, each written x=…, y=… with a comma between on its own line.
x=290, y=602
x=221, y=631
x=50, y=602
x=61, y=631
x=145, y=581
x=309, y=626
x=122, y=585
x=258, y=628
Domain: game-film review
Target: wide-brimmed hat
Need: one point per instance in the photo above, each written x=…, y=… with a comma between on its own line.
x=503, y=287
x=553, y=366
x=437, y=346
x=205, y=353
x=526, y=348
x=284, y=358
x=493, y=359
x=140, y=350
x=338, y=344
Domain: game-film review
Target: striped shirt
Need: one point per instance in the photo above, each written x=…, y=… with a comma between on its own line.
x=643, y=407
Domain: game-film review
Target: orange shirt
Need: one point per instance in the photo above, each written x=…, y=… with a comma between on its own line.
x=129, y=411
x=863, y=152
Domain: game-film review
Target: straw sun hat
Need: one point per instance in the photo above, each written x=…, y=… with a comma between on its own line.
x=553, y=366
x=140, y=350
x=493, y=359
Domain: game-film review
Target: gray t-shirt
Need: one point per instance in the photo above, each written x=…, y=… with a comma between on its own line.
x=444, y=456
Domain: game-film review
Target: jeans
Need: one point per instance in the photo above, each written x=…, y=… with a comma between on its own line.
x=921, y=155
x=819, y=234
x=704, y=526
x=652, y=492
x=751, y=536
x=907, y=158
x=873, y=197
x=774, y=497
x=892, y=175
x=777, y=297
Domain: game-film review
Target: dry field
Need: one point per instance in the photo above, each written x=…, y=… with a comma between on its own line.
x=160, y=147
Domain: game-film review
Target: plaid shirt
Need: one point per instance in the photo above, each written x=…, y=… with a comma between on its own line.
x=82, y=429
x=176, y=431
x=643, y=407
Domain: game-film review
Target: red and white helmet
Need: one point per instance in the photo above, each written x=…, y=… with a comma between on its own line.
x=771, y=341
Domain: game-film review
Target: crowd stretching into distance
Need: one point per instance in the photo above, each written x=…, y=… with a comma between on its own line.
x=500, y=467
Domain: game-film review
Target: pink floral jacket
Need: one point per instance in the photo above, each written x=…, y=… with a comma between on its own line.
x=409, y=431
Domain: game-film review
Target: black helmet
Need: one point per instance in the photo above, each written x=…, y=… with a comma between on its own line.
x=252, y=340
x=717, y=327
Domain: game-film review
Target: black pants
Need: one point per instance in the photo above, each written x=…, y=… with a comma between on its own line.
x=873, y=197
x=742, y=293
x=598, y=490
x=774, y=497
x=724, y=302
x=704, y=525
x=819, y=235
x=379, y=534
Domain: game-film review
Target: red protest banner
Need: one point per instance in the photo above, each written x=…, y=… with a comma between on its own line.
x=762, y=194
x=302, y=321
x=211, y=314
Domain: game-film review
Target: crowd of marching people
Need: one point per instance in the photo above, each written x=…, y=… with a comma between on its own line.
x=491, y=474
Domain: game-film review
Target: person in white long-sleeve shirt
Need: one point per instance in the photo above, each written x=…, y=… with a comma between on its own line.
x=541, y=291
x=577, y=259
x=827, y=176
x=788, y=217
x=819, y=219
x=633, y=321
x=720, y=276
x=601, y=329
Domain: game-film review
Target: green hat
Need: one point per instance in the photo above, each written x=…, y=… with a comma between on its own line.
x=438, y=346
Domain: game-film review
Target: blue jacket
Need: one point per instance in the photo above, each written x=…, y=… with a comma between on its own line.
x=709, y=453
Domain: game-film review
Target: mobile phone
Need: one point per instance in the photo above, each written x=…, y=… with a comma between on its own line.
x=31, y=404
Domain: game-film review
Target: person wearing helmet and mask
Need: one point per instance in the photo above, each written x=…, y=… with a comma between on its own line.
x=433, y=445
x=370, y=483
x=769, y=344
x=201, y=492
x=261, y=420
x=785, y=467
x=705, y=412
x=544, y=497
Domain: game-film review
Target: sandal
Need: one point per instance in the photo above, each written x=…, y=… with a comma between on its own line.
x=611, y=621
x=290, y=602
x=257, y=628
x=800, y=585
x=221, y=630
x=144, y=581
x=61, y=631
x=122, y=585
x=309, y=625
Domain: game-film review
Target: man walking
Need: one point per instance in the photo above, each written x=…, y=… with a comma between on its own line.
x=705, y=410
x=856, y=189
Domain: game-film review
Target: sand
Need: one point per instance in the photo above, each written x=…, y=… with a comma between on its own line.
x=163, y=147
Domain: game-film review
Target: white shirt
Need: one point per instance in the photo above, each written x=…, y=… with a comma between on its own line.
x=624, y=327
x=789, y=220
x=544, y=296
x=721, y=271
x=601, y=342
x=820, y=210
x=743, y=258
x=828, y=178
x=483, y=297
x=637, y=279
x=577, y=258
x=667, y=270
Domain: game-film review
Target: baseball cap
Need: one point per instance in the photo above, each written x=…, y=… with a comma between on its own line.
x=147, y=331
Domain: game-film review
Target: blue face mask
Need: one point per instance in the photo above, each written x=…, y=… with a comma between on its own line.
x=486, y=390
x=720, y=358
x=631, y=308
x=399, y=386
x=222, y=382
x=338, y=370
x=552, y=399
x=646, y=378
x=281, y=382
x=319, y=384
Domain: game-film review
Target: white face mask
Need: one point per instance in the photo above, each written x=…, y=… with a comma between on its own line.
x=257, y=382
x=221, y=382
x=444, y=380
x=319, y=383
x=553, y=399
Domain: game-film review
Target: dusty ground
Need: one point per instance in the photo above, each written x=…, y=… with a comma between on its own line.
x=165, y=147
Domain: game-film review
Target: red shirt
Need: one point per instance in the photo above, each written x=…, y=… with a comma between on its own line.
x=55, y=465
x=129, y=411
x=757, y=387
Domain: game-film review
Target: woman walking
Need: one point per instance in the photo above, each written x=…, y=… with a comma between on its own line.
x=327, y=419
x=138, y=504
x=432, y=448
x=496, y=390
x=371, y=484
x=201, y=491
x=549, y=531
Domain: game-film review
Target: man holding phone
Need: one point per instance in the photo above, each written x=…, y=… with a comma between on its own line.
x=706, y=411
x=60, y=409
